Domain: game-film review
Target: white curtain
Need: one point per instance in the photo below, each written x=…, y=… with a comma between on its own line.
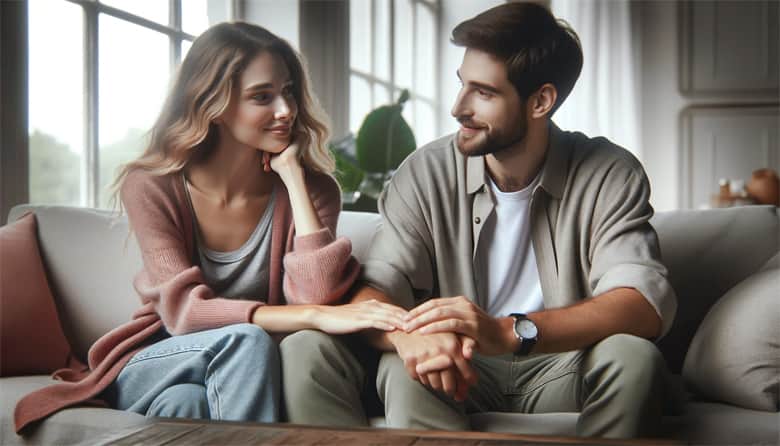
x=604, y=101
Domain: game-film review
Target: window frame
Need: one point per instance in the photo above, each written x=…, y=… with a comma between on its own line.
x=92, y=9
x=436, y=8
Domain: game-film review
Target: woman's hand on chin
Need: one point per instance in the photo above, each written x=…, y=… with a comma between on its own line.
x=285, y=163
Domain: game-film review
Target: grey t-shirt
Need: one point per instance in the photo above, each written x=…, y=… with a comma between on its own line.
x=244, y=272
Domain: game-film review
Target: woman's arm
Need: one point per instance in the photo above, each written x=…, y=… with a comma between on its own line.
x=319, y=268
x=338, y=319
x=288, y=167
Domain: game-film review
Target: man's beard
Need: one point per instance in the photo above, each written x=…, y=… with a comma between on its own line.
x=485, y=142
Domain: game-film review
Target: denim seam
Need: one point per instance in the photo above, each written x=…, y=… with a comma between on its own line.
x=217, y=404
x=163, y=353
x=175, y=351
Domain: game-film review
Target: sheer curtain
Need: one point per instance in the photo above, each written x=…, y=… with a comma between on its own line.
x=604, y=101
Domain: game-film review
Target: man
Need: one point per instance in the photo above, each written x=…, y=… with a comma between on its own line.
x=531, y=249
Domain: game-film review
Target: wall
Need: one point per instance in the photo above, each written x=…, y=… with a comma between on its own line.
x=14, y=158
x=660, y=97
x=662, y=102
x=279, y=17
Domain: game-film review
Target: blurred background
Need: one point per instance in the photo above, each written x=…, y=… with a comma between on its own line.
x=691, y=88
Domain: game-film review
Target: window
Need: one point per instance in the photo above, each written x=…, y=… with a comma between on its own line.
x=393, y=45
x=99, y=73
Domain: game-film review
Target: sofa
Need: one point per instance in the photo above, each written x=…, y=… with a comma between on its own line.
x=713, y=258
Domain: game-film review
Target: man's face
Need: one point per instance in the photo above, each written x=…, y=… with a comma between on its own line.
x=490, y=112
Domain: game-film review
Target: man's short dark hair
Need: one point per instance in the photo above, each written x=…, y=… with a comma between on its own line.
x=535, y=47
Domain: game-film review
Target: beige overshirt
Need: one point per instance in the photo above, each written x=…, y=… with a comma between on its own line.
x=590, y=217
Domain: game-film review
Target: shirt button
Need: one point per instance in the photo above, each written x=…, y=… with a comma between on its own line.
x=477, y=220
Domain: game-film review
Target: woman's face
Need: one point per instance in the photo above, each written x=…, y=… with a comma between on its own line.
x=262, y=109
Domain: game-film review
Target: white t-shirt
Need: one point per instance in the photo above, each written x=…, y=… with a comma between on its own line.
x=507, y=276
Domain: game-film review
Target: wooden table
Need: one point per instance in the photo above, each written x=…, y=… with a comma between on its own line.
x=192, y=432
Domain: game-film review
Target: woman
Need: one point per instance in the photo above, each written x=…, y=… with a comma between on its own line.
x=235, y=212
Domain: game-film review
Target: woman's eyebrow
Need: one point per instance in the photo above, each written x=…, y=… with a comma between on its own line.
x=264, y=85
x=259, y=86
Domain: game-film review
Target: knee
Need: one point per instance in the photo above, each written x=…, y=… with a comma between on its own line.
x=306, y=347
x=392, y=375
x=181, y=401
x=308, y=357
x=409, y=404
x=252, y=340
x=243, y=344
x=636, y=359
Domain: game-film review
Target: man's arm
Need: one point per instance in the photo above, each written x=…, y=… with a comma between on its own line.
x=622, y=310
x=630, y=289
x=400, y=267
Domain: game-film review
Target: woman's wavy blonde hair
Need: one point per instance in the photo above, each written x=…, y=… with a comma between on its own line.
x=201, y=92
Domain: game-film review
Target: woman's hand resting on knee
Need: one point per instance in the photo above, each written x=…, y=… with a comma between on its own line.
x=349, y=318
x=333, y=319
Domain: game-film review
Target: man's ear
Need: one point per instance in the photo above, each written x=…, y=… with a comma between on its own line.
x=542, y=101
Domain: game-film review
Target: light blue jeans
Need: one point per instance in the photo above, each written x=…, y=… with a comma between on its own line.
x=229, y=373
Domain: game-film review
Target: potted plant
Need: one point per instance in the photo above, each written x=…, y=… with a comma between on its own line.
x=383, y=141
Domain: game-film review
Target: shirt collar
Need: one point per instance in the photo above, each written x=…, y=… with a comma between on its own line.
x=553, y=177
x=554, y=168
x=475, y=171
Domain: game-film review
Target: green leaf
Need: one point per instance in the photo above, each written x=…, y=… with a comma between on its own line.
x=384, y=139
x=348, y=175
x=404, y=97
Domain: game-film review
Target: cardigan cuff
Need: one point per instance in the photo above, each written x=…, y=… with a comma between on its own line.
x=313, y=241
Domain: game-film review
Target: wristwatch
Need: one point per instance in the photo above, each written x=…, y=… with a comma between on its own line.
x=526, y=332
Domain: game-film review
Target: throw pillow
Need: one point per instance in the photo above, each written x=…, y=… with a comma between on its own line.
x=773, y=263
x=32, y=341
x=735, y=355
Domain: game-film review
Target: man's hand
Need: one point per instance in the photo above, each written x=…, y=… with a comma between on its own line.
x=493, y=336
x=442, y=358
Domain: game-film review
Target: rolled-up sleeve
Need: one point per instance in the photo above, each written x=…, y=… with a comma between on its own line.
x=624, y=250
x=399, y=261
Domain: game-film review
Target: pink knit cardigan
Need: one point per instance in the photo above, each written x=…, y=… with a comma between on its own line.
x=316, y=268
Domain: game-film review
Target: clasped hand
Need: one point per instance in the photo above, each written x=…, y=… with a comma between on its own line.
x=439, y=360
x=461, y=316
x=435, y=340
x=440, y=338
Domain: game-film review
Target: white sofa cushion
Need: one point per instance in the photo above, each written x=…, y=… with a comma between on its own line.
x=91, y=260
x=707, y=253
x=91, y=263
x=360, y=227
x=735, y=355
x=81, y=425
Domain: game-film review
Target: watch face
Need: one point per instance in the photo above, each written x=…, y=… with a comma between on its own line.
x=527, y=329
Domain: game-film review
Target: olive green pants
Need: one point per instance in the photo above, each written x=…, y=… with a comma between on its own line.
x=616, y=386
